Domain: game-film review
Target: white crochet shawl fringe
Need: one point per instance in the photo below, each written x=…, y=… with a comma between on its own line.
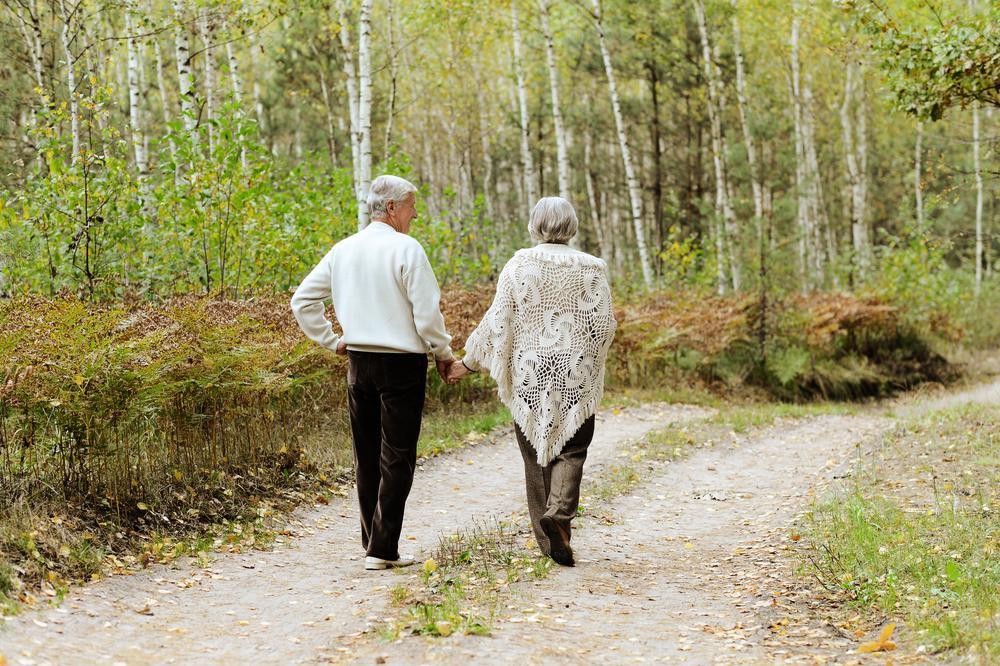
x=545, y=339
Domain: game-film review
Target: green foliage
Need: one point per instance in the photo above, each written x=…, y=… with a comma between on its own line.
x=937, y=63
x=913, y=274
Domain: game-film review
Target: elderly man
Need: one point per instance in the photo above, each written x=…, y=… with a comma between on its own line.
x=386, y=299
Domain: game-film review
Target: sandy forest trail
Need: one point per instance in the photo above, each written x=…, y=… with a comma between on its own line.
x=693, y=566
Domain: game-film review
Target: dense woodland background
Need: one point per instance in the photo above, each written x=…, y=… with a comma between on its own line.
x=155, y=148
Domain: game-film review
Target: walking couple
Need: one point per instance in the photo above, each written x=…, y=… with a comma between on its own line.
x=544, y=340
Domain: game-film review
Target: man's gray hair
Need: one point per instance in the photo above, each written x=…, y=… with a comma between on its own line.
x=385, y=189
x=553, y=220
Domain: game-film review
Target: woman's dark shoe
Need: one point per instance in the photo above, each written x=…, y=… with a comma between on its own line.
x=558, y=541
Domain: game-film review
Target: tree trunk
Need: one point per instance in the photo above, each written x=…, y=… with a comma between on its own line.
x=236, y=81
x=562, y=152
x=743, y=106
x=324, y=87
x=182, y=45
x=978, y=169
x=393, y=75
x=206, y=26
x=258, y=101
x=351, y=83
x=134, y=99
x=723, y=207
x=527, y=163
x=855, y=194
x=603, y=238
x=801, y=185
x=364, y=111
x=654, y=136
x=634, y=191
x=918, y=185
x=74, y=101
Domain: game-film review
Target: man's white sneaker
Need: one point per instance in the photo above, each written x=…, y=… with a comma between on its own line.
x=376, y=563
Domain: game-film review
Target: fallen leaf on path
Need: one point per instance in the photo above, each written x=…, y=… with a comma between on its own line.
x=443, y=627
x=882, y=643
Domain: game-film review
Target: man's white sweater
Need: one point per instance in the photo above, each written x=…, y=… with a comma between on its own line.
x=385, y=296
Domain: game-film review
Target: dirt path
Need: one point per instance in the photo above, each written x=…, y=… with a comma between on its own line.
x=694, y=566
x=672, y=573
x=697, y=566
x=297, y=601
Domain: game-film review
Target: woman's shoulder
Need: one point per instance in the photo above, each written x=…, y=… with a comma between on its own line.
x=560, y=255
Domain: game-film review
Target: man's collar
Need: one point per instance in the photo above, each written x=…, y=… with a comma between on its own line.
x=380, y=225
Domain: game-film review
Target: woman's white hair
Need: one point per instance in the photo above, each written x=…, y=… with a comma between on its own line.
x=553, y=220
x=385, y=189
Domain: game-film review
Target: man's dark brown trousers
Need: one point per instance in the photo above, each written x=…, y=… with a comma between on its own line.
x=385, y=395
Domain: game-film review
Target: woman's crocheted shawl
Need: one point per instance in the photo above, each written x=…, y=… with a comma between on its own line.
x=545, y=339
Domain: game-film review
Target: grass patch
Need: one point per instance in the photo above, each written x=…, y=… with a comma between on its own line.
x=464, y=583
x=918, y=536
x=445, y=430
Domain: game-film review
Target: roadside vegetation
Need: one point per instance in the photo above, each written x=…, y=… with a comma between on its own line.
x=916, y=539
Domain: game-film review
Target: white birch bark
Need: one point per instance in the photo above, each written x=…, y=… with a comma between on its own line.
x=206, y=26
x=364, y=110
x=351, y=83
x=723, y=208
x=74, y=101
x=802, y=213
x=393, y=76
x=182, y=47
x=822, y=232
x=161, y=85
x=255, y=89
x=743, y=105
x=135, y=96
x=603, y=240
x=918, y=179
x=634, y=192
x=236, y=82
x=978, y=170
x=527, y=162
x=855, y=194
x=562, y=152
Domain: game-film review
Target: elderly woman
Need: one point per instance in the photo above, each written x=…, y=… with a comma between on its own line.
x=544, y=340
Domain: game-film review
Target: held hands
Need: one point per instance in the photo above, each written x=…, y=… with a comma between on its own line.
x=342, y=349
x=451, y=371
x=457, y=371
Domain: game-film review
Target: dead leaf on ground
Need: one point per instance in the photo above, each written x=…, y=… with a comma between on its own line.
x=882, y=644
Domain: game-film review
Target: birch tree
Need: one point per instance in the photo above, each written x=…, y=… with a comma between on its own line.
x=743, y=106
x=527, y=163
x=364, y=111
x=235, y=81
x=135, y=97
x=977, y=168
x=724, y=212
x=855, y=166
x=206, y=26
x=185, y=77
x=918, y=185
x=68, y=18
x=632, y=182
x=562, y=152
x=351, y=85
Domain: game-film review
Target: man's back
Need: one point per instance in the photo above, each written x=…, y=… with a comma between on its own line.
x=384, y=294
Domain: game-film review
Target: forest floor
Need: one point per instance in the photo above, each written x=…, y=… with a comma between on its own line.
x=691, y=559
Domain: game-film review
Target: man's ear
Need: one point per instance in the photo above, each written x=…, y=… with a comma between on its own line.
x=390, y=206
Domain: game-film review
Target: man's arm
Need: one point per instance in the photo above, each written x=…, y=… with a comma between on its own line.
x=425, y=299
x=310, y=311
